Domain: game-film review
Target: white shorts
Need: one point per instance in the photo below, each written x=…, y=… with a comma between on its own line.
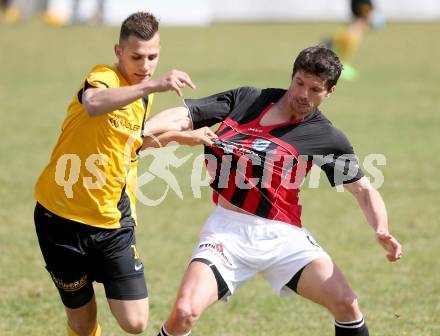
x=241, y=245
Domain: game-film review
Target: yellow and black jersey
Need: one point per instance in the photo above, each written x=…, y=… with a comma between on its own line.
x=92, y=174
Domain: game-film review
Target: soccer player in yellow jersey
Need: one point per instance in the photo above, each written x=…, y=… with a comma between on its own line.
x=346, y=41
x=85, y=213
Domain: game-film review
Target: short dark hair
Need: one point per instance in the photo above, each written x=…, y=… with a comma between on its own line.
x=141, y=24
x=319, y=61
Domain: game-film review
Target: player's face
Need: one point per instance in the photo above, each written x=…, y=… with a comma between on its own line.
x=137, y=58
x=306, y=93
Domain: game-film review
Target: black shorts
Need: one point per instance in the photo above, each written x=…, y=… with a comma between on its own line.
x=78, y=254
x=361, y=8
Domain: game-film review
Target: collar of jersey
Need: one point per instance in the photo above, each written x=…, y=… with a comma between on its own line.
x=289, y=122
x=122, y=80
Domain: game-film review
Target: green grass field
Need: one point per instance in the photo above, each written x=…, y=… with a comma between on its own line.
x=391, y=109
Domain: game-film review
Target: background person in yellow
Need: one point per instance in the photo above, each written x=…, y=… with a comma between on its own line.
x=346, y=40
x=85, y=214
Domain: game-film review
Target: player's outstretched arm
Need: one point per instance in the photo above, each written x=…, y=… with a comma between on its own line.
x=173, y=119
x=98, y=101
x=373, y=206
x=175, y=125
x=201, y=136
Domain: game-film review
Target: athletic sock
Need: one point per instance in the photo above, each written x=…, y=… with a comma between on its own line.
x=70, y=331
x=353, y=328
x=164, y=332
x=95, y=332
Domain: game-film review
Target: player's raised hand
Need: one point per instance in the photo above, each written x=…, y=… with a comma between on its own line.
x=390, y=244
x=173, y=80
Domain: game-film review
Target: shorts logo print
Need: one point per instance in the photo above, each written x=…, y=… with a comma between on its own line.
x=135, y=252
x=70, y=286
x=138, y=267
x=312, y=241
x=217, y=249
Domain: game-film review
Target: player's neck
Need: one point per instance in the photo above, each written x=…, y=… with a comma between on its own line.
x=284, y=110
x=297, y=116
x=122, y=72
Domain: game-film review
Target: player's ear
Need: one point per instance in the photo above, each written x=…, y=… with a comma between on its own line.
x=330, y=91
x=118, y=51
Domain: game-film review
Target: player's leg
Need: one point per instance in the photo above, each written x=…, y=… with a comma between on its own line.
x=346, y=41
x=82, y=320
x=132, y=315
x=198, y=290
x=300, y=265
x=120, y=269
x=322, y=282
x=214, y=273
x=349, y=39
x=66, y=260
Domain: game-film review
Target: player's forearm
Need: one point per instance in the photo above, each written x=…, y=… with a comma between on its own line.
x=374, y=209
x=174, y=119
x=201, y=136
x=371, y=203
x=101, y=101
x=373, y=206
x=163, y=139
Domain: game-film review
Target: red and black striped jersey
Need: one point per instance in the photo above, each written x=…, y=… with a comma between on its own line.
x=260, y=168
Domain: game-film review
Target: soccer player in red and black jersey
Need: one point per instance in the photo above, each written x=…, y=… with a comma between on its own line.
x=267, y=141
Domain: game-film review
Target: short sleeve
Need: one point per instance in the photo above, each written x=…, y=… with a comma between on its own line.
x=340, y=163
x=213, y=109
x=102, y=76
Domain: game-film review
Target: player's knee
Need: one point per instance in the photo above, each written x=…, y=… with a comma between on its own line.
x=185, y=315
x=134, y=327
x=346, y=305
x=134, y=324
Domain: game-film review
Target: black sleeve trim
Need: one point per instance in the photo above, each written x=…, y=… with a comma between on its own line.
x=80, y=96
x=145, y=103
x=87, y=85
x=101, y=82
